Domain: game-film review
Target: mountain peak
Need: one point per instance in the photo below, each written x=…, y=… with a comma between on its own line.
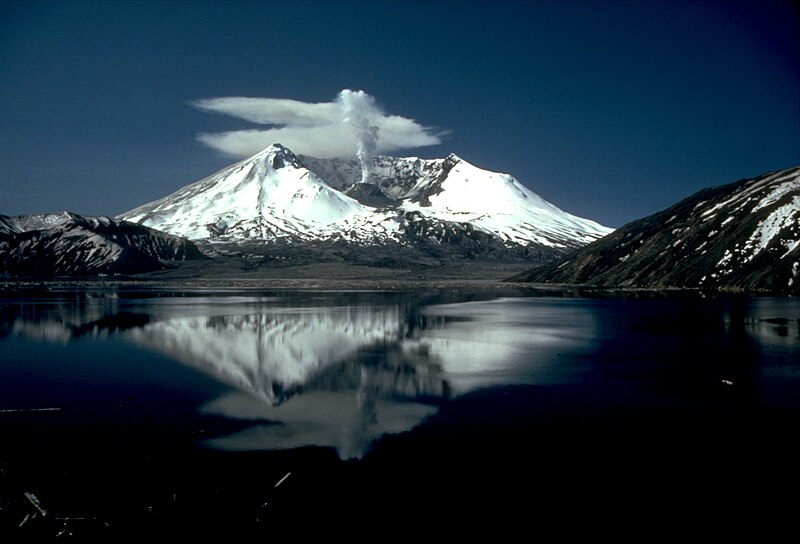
x=267, y=196
x=277, y=156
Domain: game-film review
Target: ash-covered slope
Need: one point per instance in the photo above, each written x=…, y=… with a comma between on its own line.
x=67, y=244
x=428, y=205
x=742, y=235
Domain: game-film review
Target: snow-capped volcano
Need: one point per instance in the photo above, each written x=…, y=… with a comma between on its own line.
x=276, y=196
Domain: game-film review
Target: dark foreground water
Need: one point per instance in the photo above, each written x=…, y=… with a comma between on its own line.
x=224, y=413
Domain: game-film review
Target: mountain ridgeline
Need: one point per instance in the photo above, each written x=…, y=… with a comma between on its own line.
x=276, y=205
x=68, y=244
x=276, y=210
x=744, y=235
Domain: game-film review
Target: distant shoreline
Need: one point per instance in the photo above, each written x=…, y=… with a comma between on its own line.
x=365, y=284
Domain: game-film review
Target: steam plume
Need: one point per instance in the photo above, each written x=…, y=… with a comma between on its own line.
x=357, y=109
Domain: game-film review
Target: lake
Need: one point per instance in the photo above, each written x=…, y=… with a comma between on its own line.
x=197, y=411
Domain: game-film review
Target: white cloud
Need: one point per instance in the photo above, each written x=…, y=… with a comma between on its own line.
x=335, y=140
x=316, y=129
x=272, y=111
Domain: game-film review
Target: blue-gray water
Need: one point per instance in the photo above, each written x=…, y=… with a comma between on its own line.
x=383, y=376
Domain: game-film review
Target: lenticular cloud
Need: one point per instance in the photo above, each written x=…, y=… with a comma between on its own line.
x=352, y=124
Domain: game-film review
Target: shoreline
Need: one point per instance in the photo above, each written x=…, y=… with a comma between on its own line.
x=371, y=285
x=473, y=275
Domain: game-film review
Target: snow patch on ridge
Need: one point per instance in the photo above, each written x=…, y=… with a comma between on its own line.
x=783, y=217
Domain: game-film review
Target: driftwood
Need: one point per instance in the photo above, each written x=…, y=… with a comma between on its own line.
x=65, y=525
x=35, y=502
x=283, y=479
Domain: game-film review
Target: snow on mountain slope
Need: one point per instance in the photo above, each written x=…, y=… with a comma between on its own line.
x=743, y=235
x=269, y=195
x=70, y=244
x=275, y=195
x=453, y=190
x=499, y=204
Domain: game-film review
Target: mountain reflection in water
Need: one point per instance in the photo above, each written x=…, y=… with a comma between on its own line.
x=341, y=370
x=331, y=376
x=343, y=376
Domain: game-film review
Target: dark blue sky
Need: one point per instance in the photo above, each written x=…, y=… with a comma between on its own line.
x=610, y=110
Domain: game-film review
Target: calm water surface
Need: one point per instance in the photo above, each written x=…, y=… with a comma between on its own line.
x=342, y=369
x=434, y=391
